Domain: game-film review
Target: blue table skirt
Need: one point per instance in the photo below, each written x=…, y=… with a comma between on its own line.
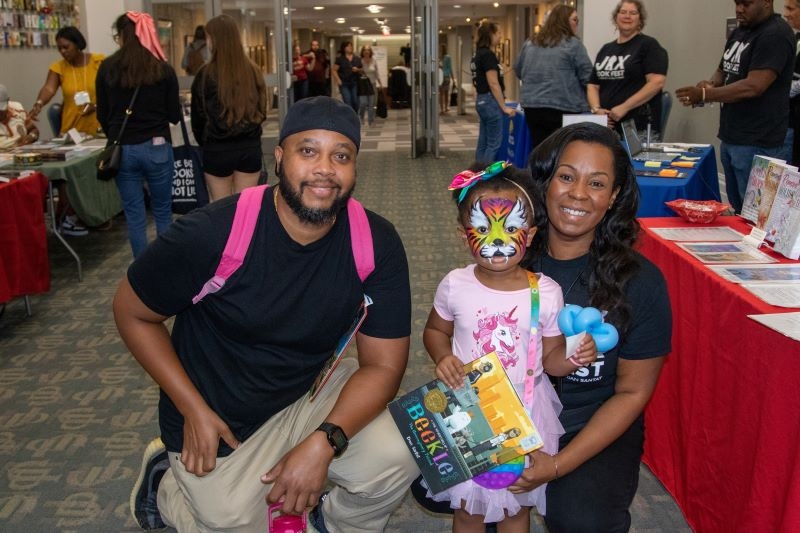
x=701, y=183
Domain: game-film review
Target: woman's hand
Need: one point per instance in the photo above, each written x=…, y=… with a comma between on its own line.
x=201, y=433
x=543, y=469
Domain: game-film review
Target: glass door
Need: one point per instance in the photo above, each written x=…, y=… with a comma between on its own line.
x=424, y=78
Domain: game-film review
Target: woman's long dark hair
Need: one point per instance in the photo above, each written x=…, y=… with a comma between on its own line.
x=133, y=64
x=612, y=261
x=240, y=84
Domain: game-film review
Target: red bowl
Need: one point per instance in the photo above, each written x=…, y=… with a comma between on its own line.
x=698, y=211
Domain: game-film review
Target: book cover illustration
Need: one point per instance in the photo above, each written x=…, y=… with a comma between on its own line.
x=787, y=239
x=788, y=189
x=455, y=435
x=763, y=169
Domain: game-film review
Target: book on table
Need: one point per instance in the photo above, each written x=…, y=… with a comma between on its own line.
x=762, y=186
x=788, y=189
x=455, y=435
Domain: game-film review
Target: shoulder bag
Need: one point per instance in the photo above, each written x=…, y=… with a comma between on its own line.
x=109, y=159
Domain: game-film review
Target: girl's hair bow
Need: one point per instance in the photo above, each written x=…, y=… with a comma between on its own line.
x=466, y=179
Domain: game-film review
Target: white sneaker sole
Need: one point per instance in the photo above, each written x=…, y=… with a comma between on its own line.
x=155, y=447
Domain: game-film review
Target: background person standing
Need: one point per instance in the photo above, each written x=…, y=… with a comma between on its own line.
x=554, y=69
x=229, y=103
x=752, y=80
x=140, y=64
x=319, y=75
x=629, y=73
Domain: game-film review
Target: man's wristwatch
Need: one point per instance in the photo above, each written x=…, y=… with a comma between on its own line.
x=336, y=437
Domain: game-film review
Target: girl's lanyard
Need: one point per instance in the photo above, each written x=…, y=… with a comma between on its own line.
x=530, y=366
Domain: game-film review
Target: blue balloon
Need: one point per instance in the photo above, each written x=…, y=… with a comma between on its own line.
x=566, y=319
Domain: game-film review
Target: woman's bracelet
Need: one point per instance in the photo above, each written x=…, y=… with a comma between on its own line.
x=704, y=95
x=555, y=464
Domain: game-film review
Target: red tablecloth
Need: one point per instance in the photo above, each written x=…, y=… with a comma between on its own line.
x=24, y=265
x=723, y=427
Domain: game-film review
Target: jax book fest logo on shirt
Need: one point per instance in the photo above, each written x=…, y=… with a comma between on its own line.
x=611, y=67
x=732, y=58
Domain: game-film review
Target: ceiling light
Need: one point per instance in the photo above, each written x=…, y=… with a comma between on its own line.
x=361, y=32
x=353, y=28
x=340, y=20
x=468, y=19
x=374, y=9
x=457, y=6
x=319, y=8
x=496, y=4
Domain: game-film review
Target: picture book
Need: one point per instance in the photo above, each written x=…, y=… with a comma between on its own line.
x=787, y=238
x=455, y=435
x=764, y=170
x=341, y=346
x=788, y=189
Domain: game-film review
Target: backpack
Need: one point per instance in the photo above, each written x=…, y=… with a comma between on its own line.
x=195, y=60
x=244, y=223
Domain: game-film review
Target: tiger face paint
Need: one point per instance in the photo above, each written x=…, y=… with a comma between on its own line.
x=498, y=228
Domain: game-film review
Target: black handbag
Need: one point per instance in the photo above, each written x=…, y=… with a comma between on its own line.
x=381, y=110
x=109, y=159
x=365, y=87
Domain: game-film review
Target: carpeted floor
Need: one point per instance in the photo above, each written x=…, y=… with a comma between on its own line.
x=76, y=410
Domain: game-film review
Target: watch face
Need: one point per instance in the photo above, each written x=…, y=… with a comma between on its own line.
x=336, y=437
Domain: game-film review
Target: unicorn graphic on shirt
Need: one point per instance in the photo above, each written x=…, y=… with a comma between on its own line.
x=499, y=333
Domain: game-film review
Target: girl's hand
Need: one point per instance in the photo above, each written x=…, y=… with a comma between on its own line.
x=450, y=370
x=586, y=353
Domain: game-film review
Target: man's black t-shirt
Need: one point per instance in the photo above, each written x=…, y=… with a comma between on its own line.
x=256, y=346
x=762, y=120
x=484, y=60
x=620, y=71
x=649, y=334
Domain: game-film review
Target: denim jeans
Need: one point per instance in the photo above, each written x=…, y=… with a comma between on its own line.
x=153, y=164
x=595, y=497
x=736, y=162
x=350, y=95
x=367, y=105
x=490, y=131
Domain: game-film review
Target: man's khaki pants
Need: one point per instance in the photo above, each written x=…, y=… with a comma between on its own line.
x=370, y=478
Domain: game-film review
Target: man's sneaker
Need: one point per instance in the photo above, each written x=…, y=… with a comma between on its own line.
x=71, y=226
x=144, y=504
x=316, y=522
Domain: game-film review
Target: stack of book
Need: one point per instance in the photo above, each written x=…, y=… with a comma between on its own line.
x=772, y=203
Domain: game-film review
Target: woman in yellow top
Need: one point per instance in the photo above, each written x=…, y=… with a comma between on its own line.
x=75, y=74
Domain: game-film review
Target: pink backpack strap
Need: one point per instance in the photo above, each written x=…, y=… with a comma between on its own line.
x=361, y=239
x=244, y=223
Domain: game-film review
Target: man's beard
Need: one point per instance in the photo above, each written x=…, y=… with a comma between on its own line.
x=309, y=215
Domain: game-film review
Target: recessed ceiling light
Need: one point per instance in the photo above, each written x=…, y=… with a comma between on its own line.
x=457, y=6
x=468, y=19
x=374, y=9
x=340, y=20
x=496, y=4
x=360, y=32
x=319, y=8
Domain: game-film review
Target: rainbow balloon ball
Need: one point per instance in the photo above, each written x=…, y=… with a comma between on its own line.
x=503, y=475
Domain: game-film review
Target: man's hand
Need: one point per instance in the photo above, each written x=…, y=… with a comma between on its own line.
x=299, y=476
x=201, y=434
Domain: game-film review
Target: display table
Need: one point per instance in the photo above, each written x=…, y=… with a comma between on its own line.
x=95, y=202
x=24, y=264
x=723, y=426
x=701, y=183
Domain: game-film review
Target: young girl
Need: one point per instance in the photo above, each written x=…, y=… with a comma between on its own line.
x=487, y=306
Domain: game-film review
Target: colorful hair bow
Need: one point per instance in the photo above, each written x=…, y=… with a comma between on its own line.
x=466, y=179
